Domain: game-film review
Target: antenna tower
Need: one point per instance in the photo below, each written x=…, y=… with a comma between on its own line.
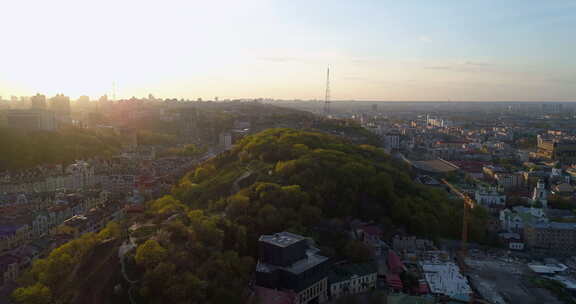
x=327, y=96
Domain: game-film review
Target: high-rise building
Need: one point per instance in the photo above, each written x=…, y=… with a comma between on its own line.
x=31, y=119
x=60, y=105
x=38, y=101
x=83, y=101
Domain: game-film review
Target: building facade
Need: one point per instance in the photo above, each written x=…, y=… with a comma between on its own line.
x=553, y=237
x=291, y=263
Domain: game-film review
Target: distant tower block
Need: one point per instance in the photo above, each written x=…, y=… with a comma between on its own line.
x=38, y=102
x=327, y=95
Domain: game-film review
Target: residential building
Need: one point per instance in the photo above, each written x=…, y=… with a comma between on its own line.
x=352, y=279
x=371, y=235
x=444, y=278
x=560, y=150
x=31, y=119
x=509, y=180
x=9, y=268
x=512, y=241
x=540, y=194
x=38, y=102
x=489, y=197
x=225, y=140
x=515, y=219
x=60, y=105
x=392, y=141
x=553, y=237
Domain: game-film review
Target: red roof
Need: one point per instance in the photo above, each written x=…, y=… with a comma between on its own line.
x=134, y=208
x=372, y=230
x=393, y=280
x=470, y=166
x=423, y=288
x=272, y=296
x=394, y=263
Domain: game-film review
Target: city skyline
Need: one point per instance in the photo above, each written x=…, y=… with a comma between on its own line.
x=385, y=50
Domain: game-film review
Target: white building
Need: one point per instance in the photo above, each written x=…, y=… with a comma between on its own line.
x=516, y=218
x=444, y=278
x=225, y=140
x=392, y=141
x=352, y=279
x=540, y=194
x=489, y=197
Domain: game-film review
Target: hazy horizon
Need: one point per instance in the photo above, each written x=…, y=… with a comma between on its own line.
x=377, y=50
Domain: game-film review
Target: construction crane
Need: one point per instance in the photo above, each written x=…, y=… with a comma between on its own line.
x=468, y=204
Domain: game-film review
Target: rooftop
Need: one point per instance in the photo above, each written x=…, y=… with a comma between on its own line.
x=547, y=268
x=281, y=239
x=556, y=225
x=445, y=278
x=312, y=259
x=345, y=272
x=436, y=166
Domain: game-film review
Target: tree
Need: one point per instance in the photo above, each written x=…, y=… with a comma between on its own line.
x=357, y=251
x=167, y=205
x=150, y=253
x=34, y=294
x=112, y=230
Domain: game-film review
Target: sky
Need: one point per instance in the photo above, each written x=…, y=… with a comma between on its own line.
x=417, y=50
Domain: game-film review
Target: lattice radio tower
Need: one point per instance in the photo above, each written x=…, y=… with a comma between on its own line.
x=327, y=96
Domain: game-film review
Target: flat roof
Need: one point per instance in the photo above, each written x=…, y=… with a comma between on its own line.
x=312, y=259
x=556, y=226
x=281, y=239
x=548, y=268
x=436, y=166
x=445, y=278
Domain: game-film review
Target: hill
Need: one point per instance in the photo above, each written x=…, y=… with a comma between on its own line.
x=198, y=245
x=22, y=149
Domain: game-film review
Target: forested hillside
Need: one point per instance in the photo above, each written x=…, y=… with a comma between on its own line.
x=24, y=149
x=198, y=245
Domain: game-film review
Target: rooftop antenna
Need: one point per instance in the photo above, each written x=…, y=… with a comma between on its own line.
x=327, y=96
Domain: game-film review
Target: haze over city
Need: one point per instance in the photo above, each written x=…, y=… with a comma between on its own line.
x=378, y=50
x=288, y=152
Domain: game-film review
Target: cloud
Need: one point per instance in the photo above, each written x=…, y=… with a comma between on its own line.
x=465, y=66
x=563, y=80
x=425, y=39
x=281, y=59
x=439, y=67
x=479, y=64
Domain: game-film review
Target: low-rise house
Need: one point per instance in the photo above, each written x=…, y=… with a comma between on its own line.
x=515, y=219
x=13, y=235
x=371, y=235
x=490, y=171
x=352, y=279
x=9, y=268
x=411, y=244
x=511, y=240
x=509, y=180
x=490, y=198
x=563, y=190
